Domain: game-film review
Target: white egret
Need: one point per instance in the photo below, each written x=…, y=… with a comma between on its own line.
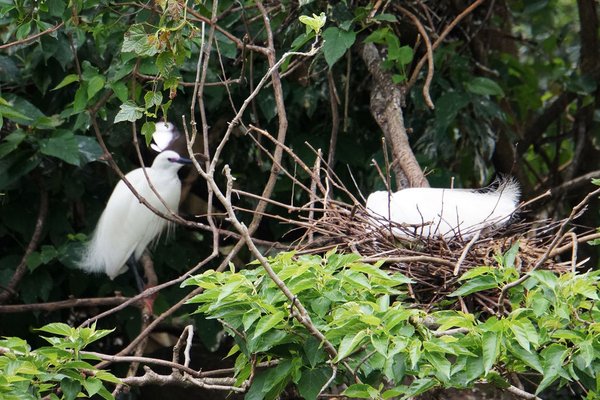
x=126, y=226
x=450, y=213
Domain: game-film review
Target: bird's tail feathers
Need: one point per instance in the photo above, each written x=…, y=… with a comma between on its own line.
x=508, y=187
x=89, y=257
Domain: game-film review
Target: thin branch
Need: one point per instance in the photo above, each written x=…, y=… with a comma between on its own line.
x=335, y=118
x=58, y=305
x=429, y=55
x=15, y=280
x=465, y=251
x=144, y=360
x=442, y=36
x=32, y=37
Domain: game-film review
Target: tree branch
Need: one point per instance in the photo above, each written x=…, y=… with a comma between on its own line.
x=386, y=107
x=32, y=37
x=10, y=289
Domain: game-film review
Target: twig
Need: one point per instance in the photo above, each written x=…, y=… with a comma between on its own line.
x=152, y=378
x=568, y=246
x=333, y=375
x=144, y=360
x=521, y=393
x=57, y=305
x=313, y=188
x=150, y=291
x=429, y=55
x=335, y=118
x=442, y=36
x=15, y=280
x=465, y=252
x=32, y=37
x=187, y=335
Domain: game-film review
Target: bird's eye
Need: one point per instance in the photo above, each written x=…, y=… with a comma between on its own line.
x=171, y=159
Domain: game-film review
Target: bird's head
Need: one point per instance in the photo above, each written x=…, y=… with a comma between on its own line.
x=169, y=160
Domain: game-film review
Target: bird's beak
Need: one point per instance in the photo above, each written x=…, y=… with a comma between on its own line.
x=183, y=160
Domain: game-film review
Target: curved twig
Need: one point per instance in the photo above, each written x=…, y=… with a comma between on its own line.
x=429, y=55
x=442, y=36
x=32, y=37
x=10, y=289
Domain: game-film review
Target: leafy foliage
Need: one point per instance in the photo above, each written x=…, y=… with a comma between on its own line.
x=394, y=348
x=60, y=371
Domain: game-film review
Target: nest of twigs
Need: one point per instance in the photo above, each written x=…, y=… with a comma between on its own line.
x=436, y=264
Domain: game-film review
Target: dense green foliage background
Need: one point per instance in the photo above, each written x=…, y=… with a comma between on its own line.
x=515, y=89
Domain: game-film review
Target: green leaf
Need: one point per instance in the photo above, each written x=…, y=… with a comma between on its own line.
x=477, y=271
x=57, y=328
x=16, y=165
x=491, y=349
x=92, y=385
x=67, y=80
x=440, y=363
x=153, y=98
x=553, y=356
x=139, y=42
x=419, y=386
x=484, y=86
x=402, y=55
x=34, y=260
x=148, y=130
x=349, y=343
x=23, y=30
x=11, y=142
x=80, y=99
x=56, y=7
x=120, y=90
x=129, y=112
x=95, y=85
x=107, y=377
x=510, y=256
x=48, y=253
x=361, y=391
x=270, y=381
x=89, y=149
x=313, y=351
x=70, y=388
x=314, y=23
x=525, y=333
x=530, y=359
x=312, y=381
x=386, y=17
x=267, y=323
x=336, y=43
x=62, y=145
x=477, y=284
x=380, y=344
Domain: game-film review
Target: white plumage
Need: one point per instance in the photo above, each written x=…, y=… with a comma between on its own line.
x=126, y=226
x=450, y=213
x=164, y=134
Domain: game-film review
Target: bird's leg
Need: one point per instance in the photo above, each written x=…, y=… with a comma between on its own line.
x=133, y=266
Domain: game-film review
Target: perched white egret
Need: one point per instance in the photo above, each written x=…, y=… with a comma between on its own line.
x=126, y=226
x=449, y=213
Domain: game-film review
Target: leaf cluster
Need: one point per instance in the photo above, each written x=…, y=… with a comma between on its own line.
x=60, y=371
x=388, y=346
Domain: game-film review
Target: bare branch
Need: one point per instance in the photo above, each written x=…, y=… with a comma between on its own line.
x=15, y=280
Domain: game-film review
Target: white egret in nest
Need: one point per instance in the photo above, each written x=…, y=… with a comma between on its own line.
x=126, y=226
x=449, y=213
